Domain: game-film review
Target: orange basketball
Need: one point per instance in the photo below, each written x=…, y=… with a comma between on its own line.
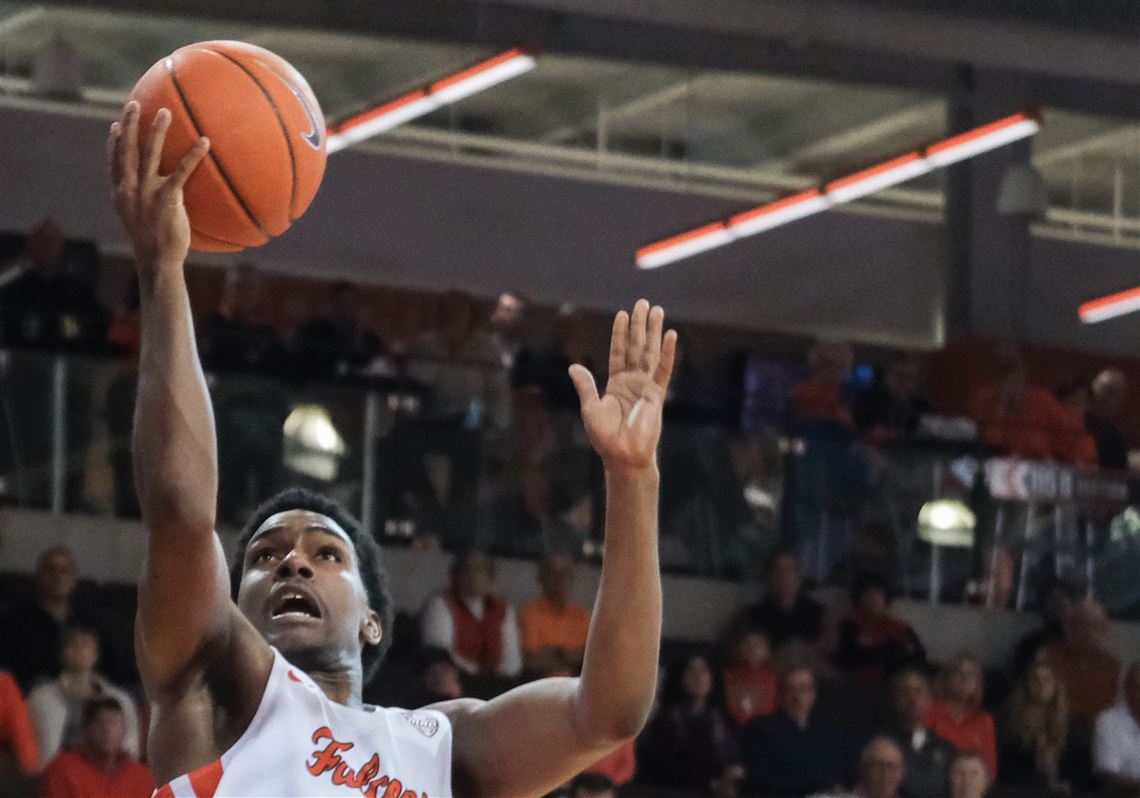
x=267, y=139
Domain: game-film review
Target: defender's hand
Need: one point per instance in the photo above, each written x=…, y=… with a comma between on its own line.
x=624, y=425
x=150, y=204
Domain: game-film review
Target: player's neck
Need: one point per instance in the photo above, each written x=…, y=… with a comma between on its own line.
x=341, y=687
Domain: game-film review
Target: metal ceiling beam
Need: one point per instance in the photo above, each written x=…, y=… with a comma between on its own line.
x=631, y=107
x=1065, y=151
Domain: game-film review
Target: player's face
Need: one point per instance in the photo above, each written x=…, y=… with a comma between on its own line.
x=301, y=589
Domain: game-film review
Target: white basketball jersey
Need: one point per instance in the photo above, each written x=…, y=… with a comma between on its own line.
x=301, y=745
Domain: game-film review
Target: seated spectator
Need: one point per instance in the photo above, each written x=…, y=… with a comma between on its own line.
x=232, y=338
x=749, y=683
x=591, y=785
x=786, y=612
x=1035, y=732
x=1057, y=599
x=1088, y=671
x=553, y=628
x=334, y=341
x=958, y=716
x=508, y=323
x=890, y=409
x=1116, y=743
x=474, y=625
x=926, y=756
x=1025, y=420
x=57, y=706
x=1075, y=396
x=820, y=396
x=792, y=752
x=1109, y=391
x=33, y=631
x=439, y=677
x=100, y=767
x=872, y=642
x=18, y=749
x=880, y=771
x=969, y=776
x=689, y=743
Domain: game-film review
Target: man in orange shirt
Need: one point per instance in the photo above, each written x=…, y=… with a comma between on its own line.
x=18, y=744
x=553, y=628
x=1089, y=672
x=100, y=767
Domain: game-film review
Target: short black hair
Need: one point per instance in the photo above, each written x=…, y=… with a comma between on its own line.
x=96, y=705
x=368, y=560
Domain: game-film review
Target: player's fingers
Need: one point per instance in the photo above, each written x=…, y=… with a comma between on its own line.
x=636, y=351
x=187, y=165
x=155, y=143
x=619, y=342
x=653, y=337
x=130, y=144
x=584, y=384
x=668, y=356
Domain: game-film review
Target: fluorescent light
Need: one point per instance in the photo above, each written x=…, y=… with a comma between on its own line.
x=683, y=246
x=845, y=189
x=877, y=178
x=418, y=103
x=1111, y=306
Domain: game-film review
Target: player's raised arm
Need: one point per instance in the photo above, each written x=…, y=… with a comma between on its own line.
x=183, y=596
x=534, y=738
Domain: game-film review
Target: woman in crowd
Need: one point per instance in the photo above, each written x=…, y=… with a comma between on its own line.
x=969, y=776
x=872, y=642
x=957, y=716
x=689, y=744
x=1035, y=732
x=749, y=683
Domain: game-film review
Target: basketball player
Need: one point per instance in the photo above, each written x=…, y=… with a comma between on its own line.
x=256, y=686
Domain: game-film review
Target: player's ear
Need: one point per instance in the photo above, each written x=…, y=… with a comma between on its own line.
x=370, y=628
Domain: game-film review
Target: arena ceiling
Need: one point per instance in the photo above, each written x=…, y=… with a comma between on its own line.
x=746, y=134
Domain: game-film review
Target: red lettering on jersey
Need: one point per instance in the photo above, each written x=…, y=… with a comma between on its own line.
x=367, y=779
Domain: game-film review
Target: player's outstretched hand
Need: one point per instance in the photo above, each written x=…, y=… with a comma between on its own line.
x=624, y=425
x=150, y=204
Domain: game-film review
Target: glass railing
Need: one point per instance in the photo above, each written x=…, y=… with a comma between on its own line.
x=422, y=466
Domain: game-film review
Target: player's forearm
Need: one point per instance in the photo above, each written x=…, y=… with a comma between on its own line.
x=174, y=445
x=619, y=672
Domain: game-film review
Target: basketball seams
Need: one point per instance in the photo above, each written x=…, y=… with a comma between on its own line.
x=280, y=121
x=169, y=63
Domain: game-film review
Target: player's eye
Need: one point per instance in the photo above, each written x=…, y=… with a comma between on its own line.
x=263, y=555
x=329, y=553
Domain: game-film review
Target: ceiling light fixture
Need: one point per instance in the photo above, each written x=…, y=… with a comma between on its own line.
x=1111, y=306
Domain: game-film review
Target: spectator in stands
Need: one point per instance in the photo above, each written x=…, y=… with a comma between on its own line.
x=958, y=715
x=1025, y=420
x=1057, y=599
x=553, y=628
x=57, y=706
x=926, y=755
x=100, y=767
x=18, y=749
x=1034, y=732
x=546, y=369
x=969, y=776
x=1075, y=396
x=439, y=677
x=591, y=785
x=872, y=642
x=820, y=397
x=1089, y=673
x=508, y=323
x=786, y=613
x=334, y=342
x=1109, y=392
x=792, y=752
x=474, y=625
x=689, y=744
x=890, y=409
x=232, y=338
x=33, y=631
x=1116, y=744
x=881, y=769
x=750, y=686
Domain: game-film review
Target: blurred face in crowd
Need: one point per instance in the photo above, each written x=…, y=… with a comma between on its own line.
x=473, y=577
x=106, y=732
x=56, y=575
x=881, y=771
x=1042, y=684
x=1058, y=604
x=241, y=292
x=753, y=650
x=784, y=580
x=556, y=578
x=80, y=652
x=873, y=601
x=1132, y=690
x=1086, y=625
x=902, y=379
x=697, y=680
x=508, y=315
x=969, y=778
x=442, y=679
x=912, y=699
x=797, y=694
x=965, y=682
x=1077, y=401
x=1110, y=389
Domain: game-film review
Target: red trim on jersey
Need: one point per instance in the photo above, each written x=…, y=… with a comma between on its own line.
x=293, y=676
x=165, y=792
x=205, y=779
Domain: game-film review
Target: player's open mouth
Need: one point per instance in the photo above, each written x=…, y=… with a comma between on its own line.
x=292, y=603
